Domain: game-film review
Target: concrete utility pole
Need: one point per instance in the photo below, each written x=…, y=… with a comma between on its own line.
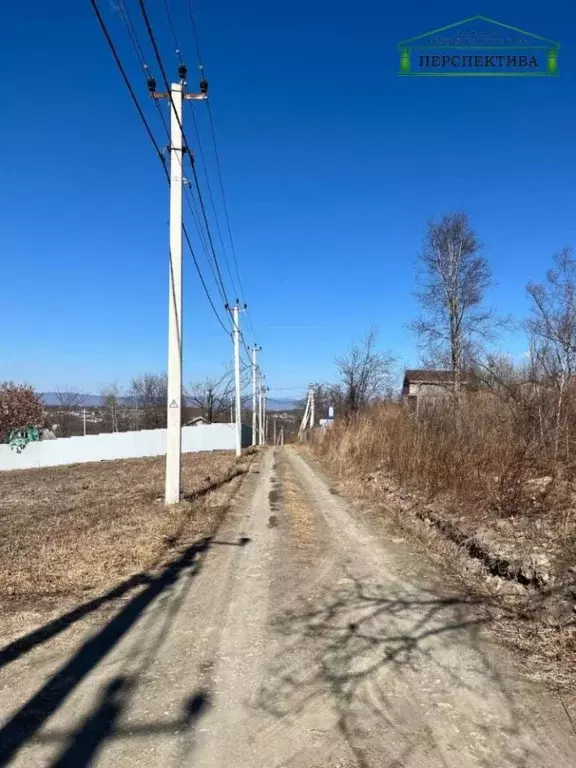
x=312, y=407
x=261, y=411
x=174, y=430
x=255, y=350
x=84, y=415
x=174, y=419
x=305, y=417
x=260, y=385
x=275, y=420
x=236, y=332
x=264, y=417
x=282, y=435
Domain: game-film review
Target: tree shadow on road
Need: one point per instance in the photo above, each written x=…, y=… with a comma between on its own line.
x=406, y=675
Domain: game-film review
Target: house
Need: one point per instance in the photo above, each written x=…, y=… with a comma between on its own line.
x=282, y=415
x=196, y=421
x=425, y=383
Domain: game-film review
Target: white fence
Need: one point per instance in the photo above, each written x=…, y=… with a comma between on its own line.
x=120, y=445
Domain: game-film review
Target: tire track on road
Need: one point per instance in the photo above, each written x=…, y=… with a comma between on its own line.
x=405, y=664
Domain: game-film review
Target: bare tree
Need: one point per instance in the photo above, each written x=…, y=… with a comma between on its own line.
x=552, y=328
x=69, y=403
x=149, y=392
x=323, y=399
x=213, y=396
x=453, y=278
x=111, y=395
x=365, y=376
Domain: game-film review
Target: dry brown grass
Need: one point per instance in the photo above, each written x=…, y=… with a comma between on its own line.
x=492, y=498
x=299, y=513
x=539, y=625
x=83, y=528
x=489, y=476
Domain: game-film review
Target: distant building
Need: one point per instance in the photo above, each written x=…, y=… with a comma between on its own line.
x=422, y=383
x=282, y=415
x=196, y=421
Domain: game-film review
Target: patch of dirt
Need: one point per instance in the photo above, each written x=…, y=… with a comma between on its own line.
x=532, y=546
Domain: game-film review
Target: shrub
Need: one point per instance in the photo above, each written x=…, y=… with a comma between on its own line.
x=20, y=406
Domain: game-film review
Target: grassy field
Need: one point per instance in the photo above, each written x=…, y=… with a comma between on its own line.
x=69, y=531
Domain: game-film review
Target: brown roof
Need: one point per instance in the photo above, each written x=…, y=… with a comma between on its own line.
x=431, y=376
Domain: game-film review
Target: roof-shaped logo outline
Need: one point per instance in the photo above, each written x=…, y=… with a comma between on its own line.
x=412, y=40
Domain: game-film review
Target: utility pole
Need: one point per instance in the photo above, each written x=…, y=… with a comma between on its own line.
x=305, y=417
x=255, y=350
x=282, y=435
x=174, y=419
x=275, y=419
x=312, y=406
x=264, y=417
x=261, y=411
x=84, y=422
x=236, y=333
x=174, y=426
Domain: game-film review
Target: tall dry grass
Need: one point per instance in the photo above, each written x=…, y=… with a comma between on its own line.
x=492, y=453
x=502, y=479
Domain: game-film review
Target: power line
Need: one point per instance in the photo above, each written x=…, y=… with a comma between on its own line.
x=128, y=85
x=133, y=35
x=217, y=276
x=219, y=169
x=172, y=29
x=196, y=38
x=226, y=330
x=212, y=203
x=187, y=146
x=189, y=198
x=155, y=145
x=242, y=339
x=217, y=157
x=140, y=54
x=201, y=151
x=203, y=209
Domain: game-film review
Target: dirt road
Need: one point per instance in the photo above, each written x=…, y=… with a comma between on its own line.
x=298, y=637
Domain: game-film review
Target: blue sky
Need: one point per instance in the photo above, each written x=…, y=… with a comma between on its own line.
x=332, y=165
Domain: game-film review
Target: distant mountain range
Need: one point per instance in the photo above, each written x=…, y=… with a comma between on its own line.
x=275, y=404
x=88, y=401
x=95, y=401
